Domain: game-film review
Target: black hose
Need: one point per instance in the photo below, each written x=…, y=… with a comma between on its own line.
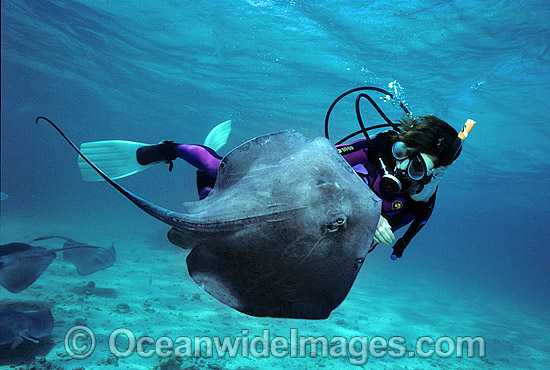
x=360, y=131
x=359, y=119
x=358, y=113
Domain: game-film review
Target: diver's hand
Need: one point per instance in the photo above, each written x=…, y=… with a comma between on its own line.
x=383, y=233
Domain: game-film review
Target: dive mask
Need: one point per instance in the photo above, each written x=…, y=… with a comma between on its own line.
x=401, y=180
x=417, y=168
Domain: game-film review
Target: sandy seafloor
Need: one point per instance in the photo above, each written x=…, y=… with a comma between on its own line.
x=151, y=278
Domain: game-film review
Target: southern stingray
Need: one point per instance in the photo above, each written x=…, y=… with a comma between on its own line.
x=21, y=264
x=86, y=258
x=283, y=233
x=24, y=320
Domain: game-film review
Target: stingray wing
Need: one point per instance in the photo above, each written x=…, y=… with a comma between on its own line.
x=285, y=230
x=40, y=323
x=10, y=248
x=21, y=268
x=7, y=335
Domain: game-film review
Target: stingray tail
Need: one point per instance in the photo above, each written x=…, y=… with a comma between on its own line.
x=162, y=214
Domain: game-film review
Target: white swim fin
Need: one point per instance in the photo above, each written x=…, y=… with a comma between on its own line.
x=117, y=158
x=217, y=137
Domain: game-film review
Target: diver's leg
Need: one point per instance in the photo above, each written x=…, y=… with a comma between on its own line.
x=205, y=184
x=207, y=162
x=202, y=157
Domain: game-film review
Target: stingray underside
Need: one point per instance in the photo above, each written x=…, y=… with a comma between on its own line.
x=285, y=230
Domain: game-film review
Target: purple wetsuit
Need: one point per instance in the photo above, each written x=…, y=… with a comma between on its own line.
x=394, y=206
x=206, y=161
x=398, y=208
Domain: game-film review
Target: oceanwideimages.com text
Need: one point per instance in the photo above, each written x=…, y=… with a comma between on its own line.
x=80, y=343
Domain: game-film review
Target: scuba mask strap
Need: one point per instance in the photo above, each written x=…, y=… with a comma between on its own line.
x=452, y=153
x=456, y=147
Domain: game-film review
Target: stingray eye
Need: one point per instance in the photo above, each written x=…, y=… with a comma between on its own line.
x=333, y=226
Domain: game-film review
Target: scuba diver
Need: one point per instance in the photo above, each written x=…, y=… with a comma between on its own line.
x=404, y=169
x=403, y=166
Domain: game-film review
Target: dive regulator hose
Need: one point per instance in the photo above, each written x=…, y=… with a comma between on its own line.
x=363, y=129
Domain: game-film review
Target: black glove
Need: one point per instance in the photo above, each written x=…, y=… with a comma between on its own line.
x=398, y=249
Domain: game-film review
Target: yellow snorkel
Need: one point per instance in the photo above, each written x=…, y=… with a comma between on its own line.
x=468, y=126
x=456, y=147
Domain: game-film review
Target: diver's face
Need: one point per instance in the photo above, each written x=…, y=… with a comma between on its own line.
x=410, y=163
x=429, y=160
x=413, y=170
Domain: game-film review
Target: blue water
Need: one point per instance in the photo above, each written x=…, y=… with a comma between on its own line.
x=146, y=71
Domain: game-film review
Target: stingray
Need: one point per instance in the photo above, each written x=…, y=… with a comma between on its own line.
x=86, y=258
x=283, y=233
x=24, y=320
x=22, y=264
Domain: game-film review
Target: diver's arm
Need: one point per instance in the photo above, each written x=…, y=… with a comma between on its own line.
x=424, y=211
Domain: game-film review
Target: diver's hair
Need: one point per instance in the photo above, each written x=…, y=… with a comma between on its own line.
x=427, y=134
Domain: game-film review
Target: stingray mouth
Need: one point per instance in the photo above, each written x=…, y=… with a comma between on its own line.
x=336, y=225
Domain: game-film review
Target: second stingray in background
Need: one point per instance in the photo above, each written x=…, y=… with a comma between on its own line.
x=22, y=264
